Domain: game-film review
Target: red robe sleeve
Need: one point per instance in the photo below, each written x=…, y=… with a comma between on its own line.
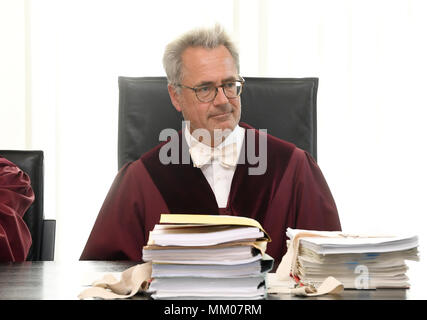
x=131, y=209
x=16, y=196
x=303, y=200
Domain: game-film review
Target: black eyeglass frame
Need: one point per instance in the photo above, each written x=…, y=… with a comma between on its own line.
x=241, y=80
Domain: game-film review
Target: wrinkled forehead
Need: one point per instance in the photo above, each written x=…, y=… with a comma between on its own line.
x=207, y=65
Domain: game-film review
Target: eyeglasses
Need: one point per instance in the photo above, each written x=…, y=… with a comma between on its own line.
x=207, y=93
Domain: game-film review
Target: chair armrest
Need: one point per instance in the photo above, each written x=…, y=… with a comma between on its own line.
x=48, y=241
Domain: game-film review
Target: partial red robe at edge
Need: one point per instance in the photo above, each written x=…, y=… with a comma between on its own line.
x=16, y=196
x=292, y=193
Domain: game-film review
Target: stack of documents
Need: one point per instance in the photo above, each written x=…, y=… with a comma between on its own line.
x=358, y=261
x=207, y=257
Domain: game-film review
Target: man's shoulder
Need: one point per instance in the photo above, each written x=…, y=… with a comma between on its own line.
x=152, y=157
x=276, y=145
x=152, y=154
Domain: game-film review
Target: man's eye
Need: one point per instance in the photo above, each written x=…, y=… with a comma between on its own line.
x=229, y=85
x=204, y=89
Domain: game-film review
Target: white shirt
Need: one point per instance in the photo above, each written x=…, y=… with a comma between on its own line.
x=218, y=176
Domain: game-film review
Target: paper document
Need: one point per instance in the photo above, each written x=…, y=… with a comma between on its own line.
x=207, y=257
x=203, y=236
x=254, y=268
x=358, y=261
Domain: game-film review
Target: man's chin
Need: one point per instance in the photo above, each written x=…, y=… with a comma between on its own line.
x=224, y=121
x=225, y=125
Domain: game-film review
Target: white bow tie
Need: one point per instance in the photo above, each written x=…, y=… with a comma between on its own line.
x=202, y=154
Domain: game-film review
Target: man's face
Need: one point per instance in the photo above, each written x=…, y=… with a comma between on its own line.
x=207, y=66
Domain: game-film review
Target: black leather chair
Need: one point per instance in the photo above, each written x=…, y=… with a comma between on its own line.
x=286, y=107
x=42, y=230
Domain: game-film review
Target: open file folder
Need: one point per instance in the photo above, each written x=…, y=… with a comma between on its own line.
x=358, y=261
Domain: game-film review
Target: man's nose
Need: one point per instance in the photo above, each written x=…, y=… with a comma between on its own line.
x=220, y=98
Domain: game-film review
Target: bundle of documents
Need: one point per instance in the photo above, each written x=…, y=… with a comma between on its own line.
x=357, y=261
x=207, y=257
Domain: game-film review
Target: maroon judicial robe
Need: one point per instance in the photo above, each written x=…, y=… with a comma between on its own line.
x=291, y=193
x=16, y=196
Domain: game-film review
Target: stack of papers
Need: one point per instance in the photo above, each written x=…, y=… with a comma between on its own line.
x=207, y=257
x=358, y=261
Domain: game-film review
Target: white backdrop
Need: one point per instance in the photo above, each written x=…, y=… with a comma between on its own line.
x=368, y=55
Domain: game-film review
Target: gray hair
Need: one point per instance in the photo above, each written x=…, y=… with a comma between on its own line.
x=208, y=38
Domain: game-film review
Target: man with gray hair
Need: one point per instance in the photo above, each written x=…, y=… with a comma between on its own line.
x=204, y=84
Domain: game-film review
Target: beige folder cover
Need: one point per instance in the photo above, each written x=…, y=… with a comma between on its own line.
x=213, y=220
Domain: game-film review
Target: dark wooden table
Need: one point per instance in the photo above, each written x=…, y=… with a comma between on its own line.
x=65, y=280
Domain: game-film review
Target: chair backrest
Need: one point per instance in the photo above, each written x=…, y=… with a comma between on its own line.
x=32, y=163
x=286, y=107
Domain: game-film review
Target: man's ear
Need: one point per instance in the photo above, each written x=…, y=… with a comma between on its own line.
x=174, y=97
